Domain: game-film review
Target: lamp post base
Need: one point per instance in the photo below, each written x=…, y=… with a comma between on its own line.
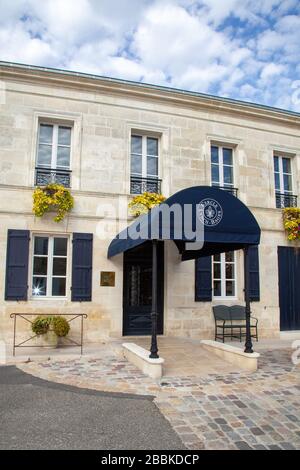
x=154, y=348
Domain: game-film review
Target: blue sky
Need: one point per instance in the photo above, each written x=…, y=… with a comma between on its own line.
x=242, y=49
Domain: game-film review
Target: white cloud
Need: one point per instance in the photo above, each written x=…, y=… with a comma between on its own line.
x=270, y=70
x=283, y=39
x=249, y=11
x=187, y=49
x=170, y=37
x=246, y=50
x=268, y=42
x=248, y=91
x=16, y=44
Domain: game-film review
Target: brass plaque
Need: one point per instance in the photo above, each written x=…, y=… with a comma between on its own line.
x=107, y=278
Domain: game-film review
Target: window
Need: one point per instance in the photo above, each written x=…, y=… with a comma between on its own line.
x=49, y=272
x=144, y=164
x=283, y=182
x=53, y=154
x=224, y=275
x=222, y=167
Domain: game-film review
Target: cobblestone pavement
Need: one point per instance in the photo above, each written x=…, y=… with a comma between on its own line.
x=233, y=410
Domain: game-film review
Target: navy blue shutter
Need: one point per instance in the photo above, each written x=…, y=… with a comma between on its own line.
x=17, y=255
x=254, y=274
x=289, y=292
x=82, y=262
x=203, y=279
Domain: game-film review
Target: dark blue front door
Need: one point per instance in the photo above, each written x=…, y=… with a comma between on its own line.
x=137, y=294
x=289, y=287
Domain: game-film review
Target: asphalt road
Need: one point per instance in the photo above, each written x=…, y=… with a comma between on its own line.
x=37, y=414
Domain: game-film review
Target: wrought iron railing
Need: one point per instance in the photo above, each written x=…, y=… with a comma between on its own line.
x=44, y=176
x=285, y=200
x=229, y=189
x=140, y=185
x=27, y=343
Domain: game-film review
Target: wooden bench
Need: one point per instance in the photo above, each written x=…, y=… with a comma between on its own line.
x=230, y=322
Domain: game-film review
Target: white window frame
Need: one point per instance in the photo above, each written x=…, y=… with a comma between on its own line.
x=221, y=166
x=144, y=138
x=49, y=275
x=54, y=145
x=282, y=173
x=223, y=279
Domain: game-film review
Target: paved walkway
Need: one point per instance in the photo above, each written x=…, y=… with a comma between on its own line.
x=186, y=357
x=211, y=409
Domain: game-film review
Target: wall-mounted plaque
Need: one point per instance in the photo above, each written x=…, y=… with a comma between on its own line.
x=107, y=278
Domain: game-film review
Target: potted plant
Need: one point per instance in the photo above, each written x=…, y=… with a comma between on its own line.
x=291, y=220
x=49, y=329
x=61, y=327
x=142, y=203
x=53, y=197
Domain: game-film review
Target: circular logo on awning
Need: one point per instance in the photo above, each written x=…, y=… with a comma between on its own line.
x=209, y=212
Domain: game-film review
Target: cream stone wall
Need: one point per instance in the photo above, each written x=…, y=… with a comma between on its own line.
x=103, y=115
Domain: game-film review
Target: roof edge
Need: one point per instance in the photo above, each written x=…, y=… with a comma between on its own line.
x=160, y=88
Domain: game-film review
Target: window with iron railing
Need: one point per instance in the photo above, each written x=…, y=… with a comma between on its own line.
x=284, y=196
x=53, y=155
x=285, y=200
x=144, y=164
x=222, y=168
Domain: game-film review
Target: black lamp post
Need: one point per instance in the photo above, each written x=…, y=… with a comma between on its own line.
x=154, y=314
x=248, y=343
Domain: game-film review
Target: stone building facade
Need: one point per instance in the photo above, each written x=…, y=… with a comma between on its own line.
x=88, y=124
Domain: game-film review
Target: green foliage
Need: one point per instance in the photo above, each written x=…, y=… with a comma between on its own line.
x=142, y=203
x=61, y=326
x=41, y=325
x=52, y=197
x=291, y=221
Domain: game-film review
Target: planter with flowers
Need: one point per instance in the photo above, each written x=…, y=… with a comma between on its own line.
x=291, y=221
x=52, y=198
x=142, y=203
x=49, y=329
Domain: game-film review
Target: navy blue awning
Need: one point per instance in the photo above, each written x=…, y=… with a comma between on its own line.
x=228, y=224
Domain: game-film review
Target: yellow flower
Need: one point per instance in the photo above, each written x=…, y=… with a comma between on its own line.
x=53, y=196
x=142, y=203
x=291, y=222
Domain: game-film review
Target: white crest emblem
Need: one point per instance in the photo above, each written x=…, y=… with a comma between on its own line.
x=209, y=212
